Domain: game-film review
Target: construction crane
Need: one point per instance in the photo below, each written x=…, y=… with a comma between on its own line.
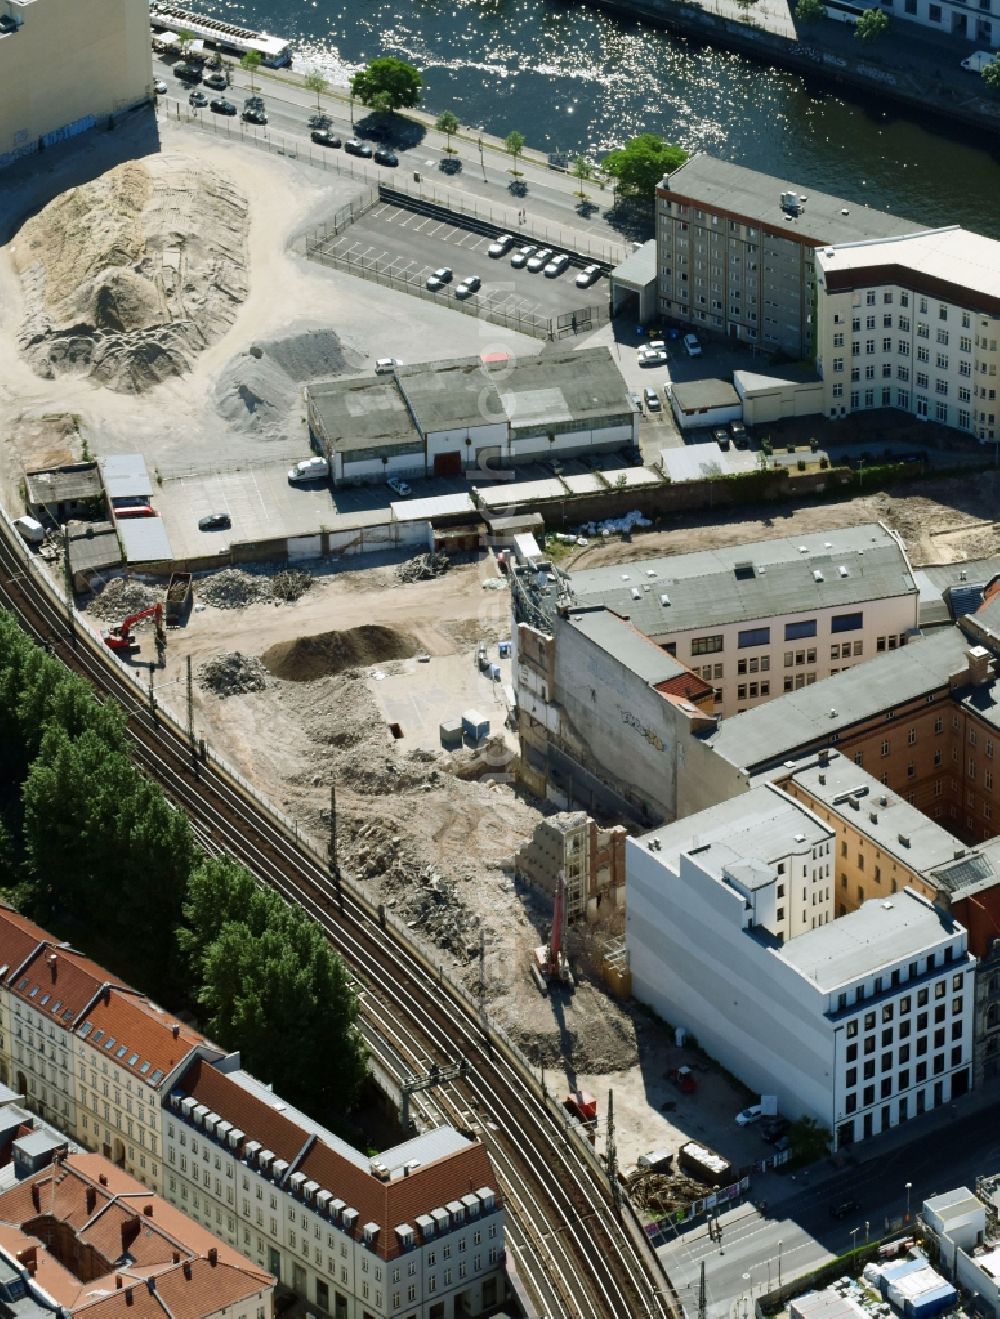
x=121, y=640
x=550, y=964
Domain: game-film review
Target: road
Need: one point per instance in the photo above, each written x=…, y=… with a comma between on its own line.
x=943, y=1152
x=547, y=197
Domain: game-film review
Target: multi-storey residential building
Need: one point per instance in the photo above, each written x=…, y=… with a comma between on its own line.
x=81, y=1237
x=735, y=250
x=861, y=1022
x=112, y=1068
x=64, y=66
x=418, y=1231
x=912, y=322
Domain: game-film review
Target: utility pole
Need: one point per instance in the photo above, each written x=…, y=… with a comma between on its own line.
x=334, y=866
x=702, y=1294
x=152, y=700
x=482, y=975
x=612, y=1156
x=190, y=700
x=68, y=588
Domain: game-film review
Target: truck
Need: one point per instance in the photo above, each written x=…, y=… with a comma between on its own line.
x=978, y=60
x=704, y=1165
x=684, y=1079
x=178, y=597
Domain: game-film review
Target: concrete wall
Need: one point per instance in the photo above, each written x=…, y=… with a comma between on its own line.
x=787, y=399
x=68, y=62
x=579, y=441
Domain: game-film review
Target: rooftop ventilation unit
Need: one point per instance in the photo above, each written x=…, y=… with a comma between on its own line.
x=843, y=571
x=790, y=203
x=635, y=593
x=664, y=600
x=904, y=840
x=817, y=575
x=650, y=572
x=743, y=570
x=833, y=714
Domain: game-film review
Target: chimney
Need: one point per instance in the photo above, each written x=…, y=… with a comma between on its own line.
x=130, y=1230
x=175, y=1030
x=147, y=1210
x=52, y=965
x=177, y=1256
x=129, y=1297
x=103, y=1179
x=187, y=1269
x=213, y=1257
x=824, y=757
x=29, y=1258
x=118, y=1282
x=91, y=1199
x=979, y=665
x=36, y=1198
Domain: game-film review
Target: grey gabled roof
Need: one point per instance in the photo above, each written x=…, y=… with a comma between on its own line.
x=622, y=641
x=715, y=587
x=769, y=734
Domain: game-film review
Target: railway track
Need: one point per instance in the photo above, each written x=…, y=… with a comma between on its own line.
x=570, y=1246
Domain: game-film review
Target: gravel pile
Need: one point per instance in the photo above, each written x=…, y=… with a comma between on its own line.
x=234, y=589
x=232, y=674
x=423, y=568
x=290, y=585
x=120, y=597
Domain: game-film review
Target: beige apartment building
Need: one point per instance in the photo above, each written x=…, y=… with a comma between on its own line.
x=65, y=66
x=912, y=323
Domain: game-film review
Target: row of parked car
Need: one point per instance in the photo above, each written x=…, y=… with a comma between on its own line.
x=322, y=134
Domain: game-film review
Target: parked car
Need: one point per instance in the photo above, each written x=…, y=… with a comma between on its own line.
x=217, y=81
x=398, y=486
x=540, y=260
x=355, y=148
x=739, y=433
x=636, y=401
x=843, y=1208
x=500, y=246
x=438, y=279
x=160, y=87
x=520, y=258
x=386, y=365
x=188, y=72
x=691, y=345
x=556, y=266
x=198, y=99
x=650, y=356
x=464, y=290
x=324, y=138
x=747, y=1116
x=652, y=399
x=221, y=106
x=774, y=1128
x=254, y=116
x=385, y=156
x=721, y=436
x=473, y=282
x=587, y=276
x=215, y=522
x=309, y=469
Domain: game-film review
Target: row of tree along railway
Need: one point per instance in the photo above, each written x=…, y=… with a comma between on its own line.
x=575, y=1243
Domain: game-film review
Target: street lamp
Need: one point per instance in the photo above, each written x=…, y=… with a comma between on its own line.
x=909, y=1188
x=854, y=1236
x=482, y=163
x=779, y=1266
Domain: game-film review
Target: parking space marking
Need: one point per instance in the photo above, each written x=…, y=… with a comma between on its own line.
x=379, y=210
x=432, y=232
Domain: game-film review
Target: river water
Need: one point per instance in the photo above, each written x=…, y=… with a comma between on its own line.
x=572, y=78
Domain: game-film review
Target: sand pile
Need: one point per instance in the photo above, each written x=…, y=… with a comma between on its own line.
x=128, y=277
x=232, y=674
x=308, y=658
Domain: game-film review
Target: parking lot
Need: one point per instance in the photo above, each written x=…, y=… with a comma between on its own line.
x=411, y=246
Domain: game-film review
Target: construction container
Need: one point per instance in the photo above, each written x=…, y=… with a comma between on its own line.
x=655, y=1161
x=704, y=1164
x=504, y=649
x=178, y=597
x=475, y=726
x=451, y=734
x=494, y=672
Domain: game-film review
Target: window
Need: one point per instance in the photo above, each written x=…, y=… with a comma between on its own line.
x=707, y=645
x=847, y=622
x=754, y=636
x=806, y=627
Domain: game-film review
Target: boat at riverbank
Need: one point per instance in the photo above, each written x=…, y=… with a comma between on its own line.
x=227, y=38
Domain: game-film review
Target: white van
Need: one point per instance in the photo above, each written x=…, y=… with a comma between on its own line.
x=30, y=530
x=309, y=469
x=978, y=60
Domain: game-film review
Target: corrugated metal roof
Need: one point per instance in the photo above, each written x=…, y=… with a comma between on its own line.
x=145, y=540
x=125, y=476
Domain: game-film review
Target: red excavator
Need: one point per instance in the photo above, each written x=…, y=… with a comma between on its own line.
x=550, y=964
x=121, y=640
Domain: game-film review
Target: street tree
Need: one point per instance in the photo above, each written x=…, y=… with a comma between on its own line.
x=315, y=82
x=807, y=1140
x=387, y=84
x=640, y=164
x=871, y=25
x=514, y=146
x=810, y=11
x=250, y=63
x=448, y=124
x=991, y=75
x=184, y=39
x=583, y=172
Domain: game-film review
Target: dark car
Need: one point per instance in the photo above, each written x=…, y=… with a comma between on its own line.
x=384, y=156
x=217, y=81
x=188, y=72
x=254, y=117
x=739, y=433
x=198, y=99
x=473, y=282
x=355, y=148
x=721, y=436
x=323, y=138
x=221, y=106
x=215, y=522
x=320, y=120
x=843, y=1208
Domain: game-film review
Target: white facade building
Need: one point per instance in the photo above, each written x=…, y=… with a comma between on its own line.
x=912, y=323
x=859, y=1022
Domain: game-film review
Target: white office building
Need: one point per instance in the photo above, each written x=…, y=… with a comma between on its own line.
x=859, y=1022
x=912, y=323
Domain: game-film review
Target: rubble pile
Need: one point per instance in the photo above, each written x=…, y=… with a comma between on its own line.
x=232, y=674
x=423, y=568
x=121, y=597
x=290, y=585
x=662, y=1193
x=232, y=588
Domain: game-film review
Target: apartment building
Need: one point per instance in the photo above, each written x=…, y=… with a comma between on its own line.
x=735, y=250
x=979, y=23
x=773, y=616
x=65, y=66
x=912, y=323
x=861, y=1021
x=416, y=1232
x=80, y=1236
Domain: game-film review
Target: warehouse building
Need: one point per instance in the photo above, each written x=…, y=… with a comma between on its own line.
x=446, y=418
x=66, y=66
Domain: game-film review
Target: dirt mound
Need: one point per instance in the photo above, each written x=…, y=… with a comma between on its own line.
x=129, y=276
x=309, y=658
x=232, y=674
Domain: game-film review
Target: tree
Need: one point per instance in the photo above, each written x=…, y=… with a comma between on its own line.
x=514, y=146
x=871, y=25
x=807, y=1140
x=640, y=164
x=583, y=171
x=448, y=124
x=810, y=11
x=991, y=75
x=184, y=39
x=315, y=82
x=251, y=62
x=387, y=84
